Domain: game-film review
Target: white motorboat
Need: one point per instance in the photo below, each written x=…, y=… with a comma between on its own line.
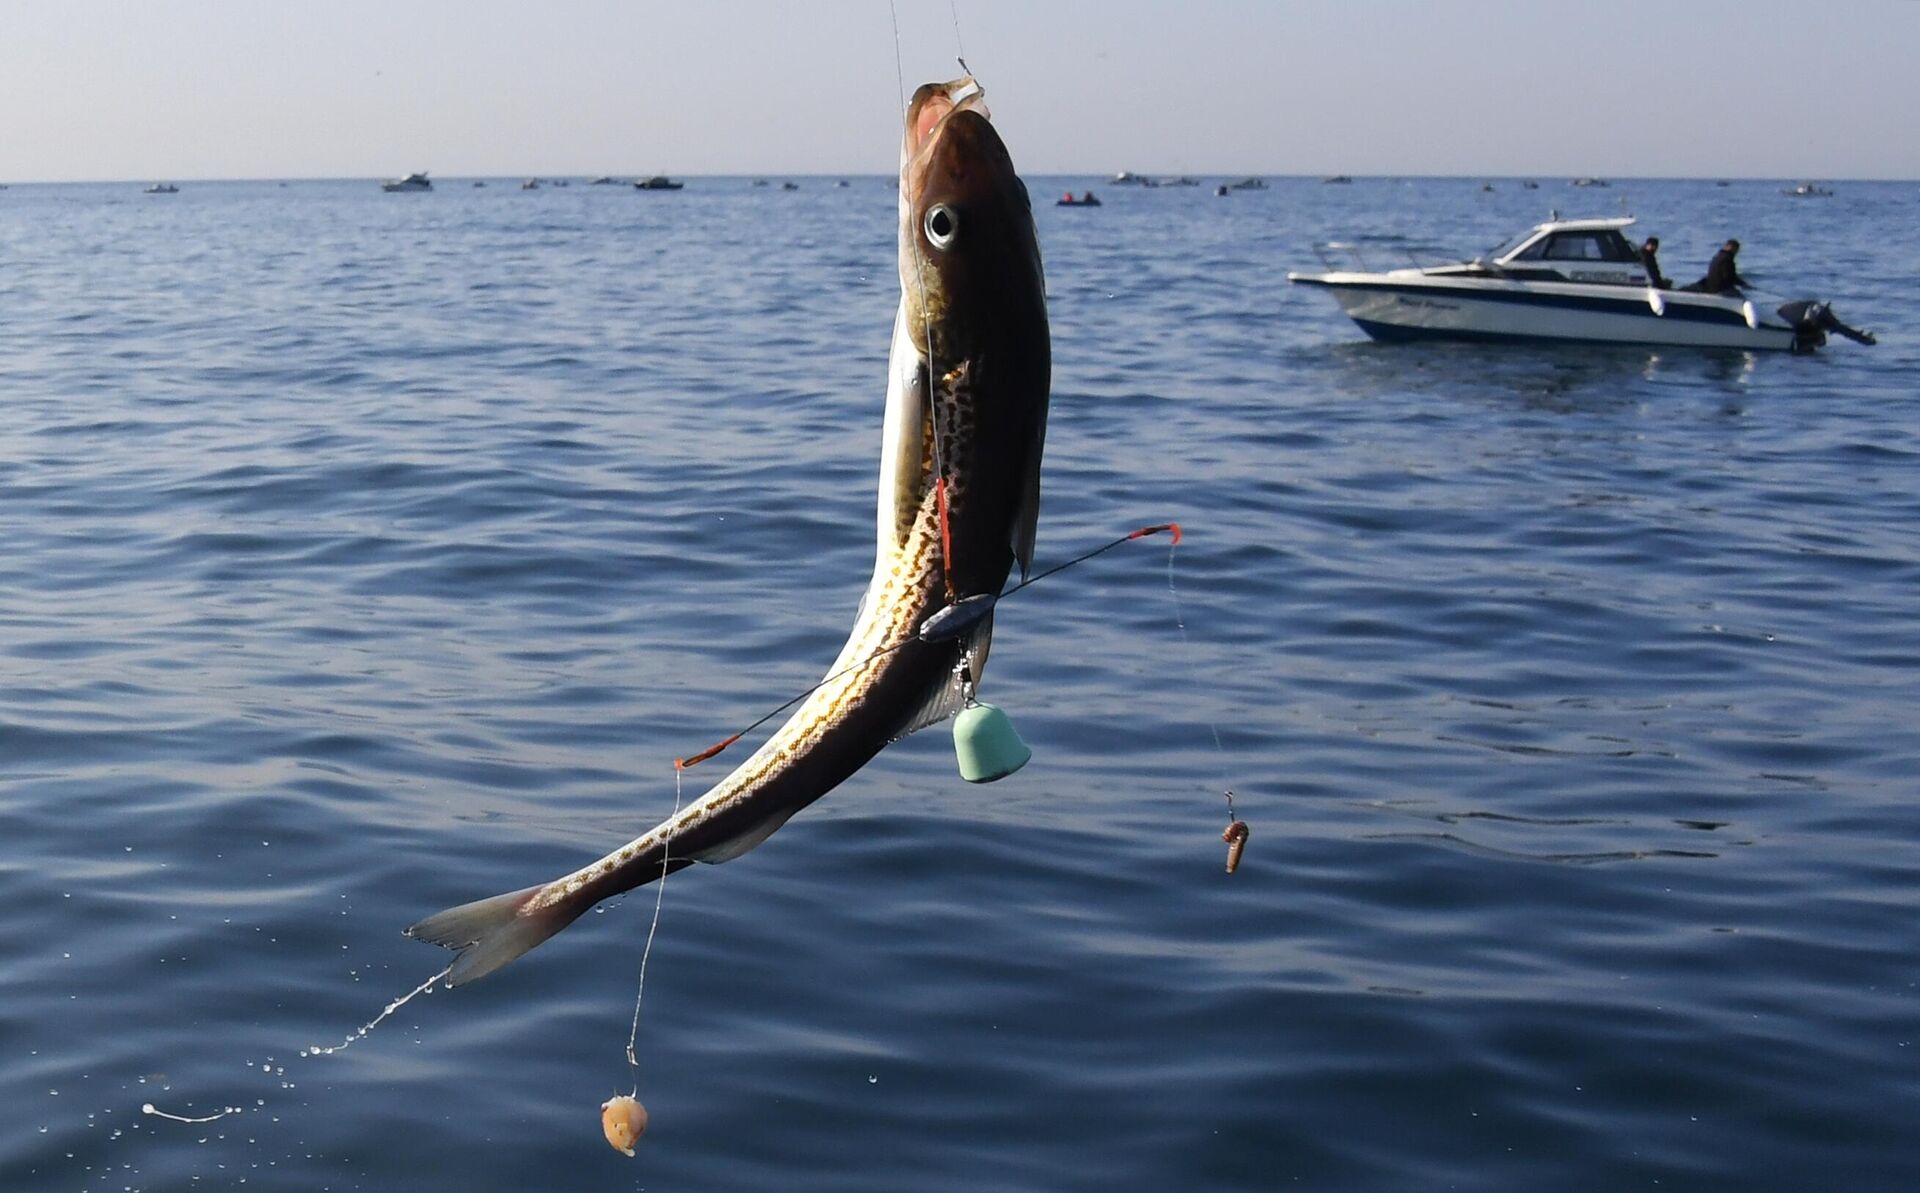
x=162, y=188
x=1566, y=281
x=412, y=182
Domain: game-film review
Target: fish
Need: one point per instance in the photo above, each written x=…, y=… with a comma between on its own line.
x=969, y=377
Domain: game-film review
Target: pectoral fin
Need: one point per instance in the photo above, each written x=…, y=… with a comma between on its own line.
x=744, y=840
x=949, y=696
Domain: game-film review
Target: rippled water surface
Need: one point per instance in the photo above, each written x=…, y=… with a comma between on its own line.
x=362, y=554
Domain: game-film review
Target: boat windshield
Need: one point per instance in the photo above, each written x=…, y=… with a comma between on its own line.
x=1508, y=245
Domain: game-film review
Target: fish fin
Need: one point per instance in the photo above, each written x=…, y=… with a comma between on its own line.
x=1026, y=520
x=491, y=932
x=902, y=442
x=950, y=696
x=744, y=840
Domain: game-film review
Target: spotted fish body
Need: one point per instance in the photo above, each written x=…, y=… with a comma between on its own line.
x=959, y=495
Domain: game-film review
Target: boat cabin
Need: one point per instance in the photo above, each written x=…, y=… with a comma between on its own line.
x=1571, y=251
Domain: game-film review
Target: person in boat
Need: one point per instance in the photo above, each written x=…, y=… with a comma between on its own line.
x=1723, y=276
x=1650, y=261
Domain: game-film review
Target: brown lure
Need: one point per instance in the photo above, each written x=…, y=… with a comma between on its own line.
x=1236, y=838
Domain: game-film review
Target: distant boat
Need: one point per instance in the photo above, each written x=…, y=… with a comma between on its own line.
x=603, y=180
x=1248, y=184
x=1183, y=180
x=789, y=186
x=412, y=182
x=1530, y=184
x=1089, y=199
x=842, y=182
x=531, y=184
x=1337, y=180
x=1588, y=182
x=562, y=182
x=1221, y=190
x=759, y=182
x=1806, y=190
x=1486, y=186
x=658, y=182
x=1128, y=178
x=163, y=188
x=477, y=182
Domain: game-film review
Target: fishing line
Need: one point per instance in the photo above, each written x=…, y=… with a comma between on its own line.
x=1236, y=832
x=659, y=897
x=899, y=71
x=942, y=626
x=1130, y=536
x=960, y=47
x=1180, y=623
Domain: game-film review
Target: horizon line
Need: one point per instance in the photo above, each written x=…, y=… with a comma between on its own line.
x=1157, y=175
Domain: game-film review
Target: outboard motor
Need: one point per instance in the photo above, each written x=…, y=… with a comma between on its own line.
x=1813, y=320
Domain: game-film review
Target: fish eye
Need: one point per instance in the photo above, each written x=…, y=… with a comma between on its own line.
x=942, y=225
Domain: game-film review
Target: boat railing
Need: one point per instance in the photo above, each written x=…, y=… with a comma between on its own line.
x=1344, y=255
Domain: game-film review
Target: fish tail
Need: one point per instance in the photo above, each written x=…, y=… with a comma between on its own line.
x=491, y=932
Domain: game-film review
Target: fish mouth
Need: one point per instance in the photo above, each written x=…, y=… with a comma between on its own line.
x=928, y=114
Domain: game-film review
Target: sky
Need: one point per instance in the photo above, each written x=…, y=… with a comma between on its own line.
x=201, y=89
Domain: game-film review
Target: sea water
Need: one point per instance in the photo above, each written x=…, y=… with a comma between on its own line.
x=363, y=554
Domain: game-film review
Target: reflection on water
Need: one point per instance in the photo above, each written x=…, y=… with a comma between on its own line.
x=1554, y=379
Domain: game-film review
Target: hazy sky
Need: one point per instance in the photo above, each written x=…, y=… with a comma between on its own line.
x=186, y=89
